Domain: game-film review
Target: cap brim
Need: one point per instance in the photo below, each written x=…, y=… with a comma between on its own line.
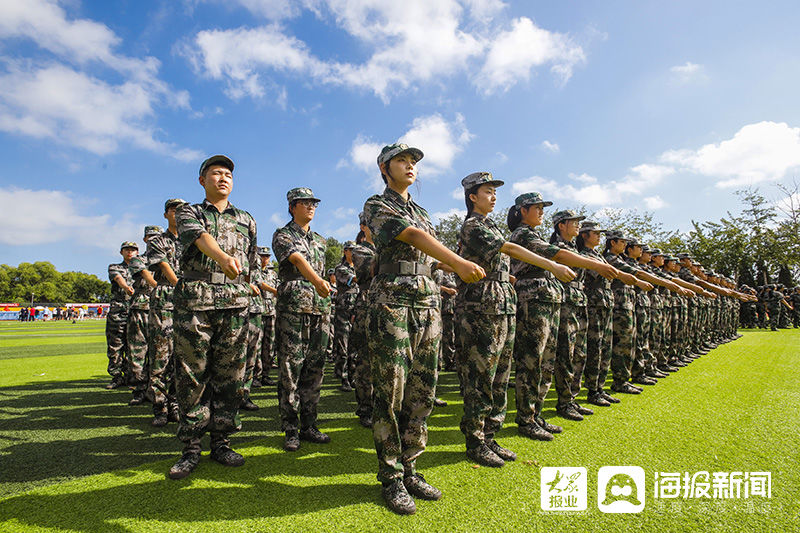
x=225, y=161
x=416, y=152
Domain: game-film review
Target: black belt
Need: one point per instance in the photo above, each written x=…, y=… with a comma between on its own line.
x=215, y=278
x=497, y=276
x=405, y=268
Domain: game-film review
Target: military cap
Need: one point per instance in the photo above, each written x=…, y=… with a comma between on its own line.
x=590, y=225
x=362, y=218
x=656, y=251
x=684, y=255
x=393, y=150
x=264, y=250
x=566, y=214
x=173, y=202
x=530, y=198
x=300, y=193
x=646, y=249
x=150, y=231
x=633, y=241
x=480, y=178
x=616, y=235
x=349, y=245
x=128, y=244
x=225, y=161
x=670, y=258
x=331, y=271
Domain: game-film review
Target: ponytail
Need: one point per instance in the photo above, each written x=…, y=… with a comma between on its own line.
x=514, y=217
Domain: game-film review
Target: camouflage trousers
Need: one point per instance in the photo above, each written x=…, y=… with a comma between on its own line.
x=672, y=333
x=598, y=347
x=210, y=353
x=362, y=370
x=622, y=346
x=657, y=327
x=447, y=347
x=643, y=360
x=774, y=310
x=341, y=336
x=254, y=332
x=137, y=345
x=159, y=356
x=117, y=339
x=485, y=351
x=267, y=359
x=570, y=352
x=403, y=344
x=300, y=341
x=534, y=355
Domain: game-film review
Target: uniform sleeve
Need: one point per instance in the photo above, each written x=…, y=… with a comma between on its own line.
x=283, y=245
x=136, y=265
x=156, y=251
x=620, y=264
x=530, y=241
x=252, y=252
x=114, y=271
x=190, y=225
x=362, y=262
x=480, y=240
x=385, y=222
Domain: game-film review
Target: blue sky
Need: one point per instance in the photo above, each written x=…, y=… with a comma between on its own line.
x=108, y=108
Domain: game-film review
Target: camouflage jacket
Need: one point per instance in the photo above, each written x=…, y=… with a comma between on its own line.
x=141, y=290
x=270, y=277
x=656, y=300
x=642, y=299
x=574, y=290
x=163, y=248
x=534, y=283
x=363, y=264
x=481, y=241
x=387, y=215
x=446, y=279
x=120, y=299
x=295, y=293
x=597, y=288
x=346, y=282
x=235, y=232
x=624, y=296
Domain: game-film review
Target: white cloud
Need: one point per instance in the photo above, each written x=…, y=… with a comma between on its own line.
x=583, y=178
x=440, y=140
x=757, y=152
x=654, y=202
x=345, y=213
x=458, y=193
x=590, y=194
x=345, y=232
x=279, y=219
x=551, y=147
x=514, y=54
x=48, y=216
x=688, y=72
x=56, y=101
x=501, y=158
x=439, y=215
x=401, y=51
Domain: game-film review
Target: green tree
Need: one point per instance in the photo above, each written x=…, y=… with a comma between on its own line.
x=333, y=253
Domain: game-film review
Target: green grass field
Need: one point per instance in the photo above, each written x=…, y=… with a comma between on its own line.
x=74, y=456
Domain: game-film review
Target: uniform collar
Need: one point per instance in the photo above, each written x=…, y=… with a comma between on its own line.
x=296, y=227
x=208, y=205
x=394, y=195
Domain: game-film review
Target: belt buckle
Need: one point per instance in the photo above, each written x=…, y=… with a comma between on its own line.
x=218, y=278
x=405, y=268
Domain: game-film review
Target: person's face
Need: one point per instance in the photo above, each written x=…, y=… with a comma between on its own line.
x=569, y=228
x=303, y=211
x=532, y=214
x=591, y=238
x=264, y=260
x=217, y=181
x=658, y=260
x=645, y=257
x=169, y=214
x=129, y=253
x=484, y=199
x=402, y=170
x=618, y=246
x=634, y=252
x=348, y=255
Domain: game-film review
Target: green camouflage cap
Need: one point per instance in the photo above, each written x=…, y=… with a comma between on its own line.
x=223, y=160
x=616, y=235
x=128, y=244
x=264, y=250
x=566, y=214
x=656, y=251
x=590, y=225
x=393, y=150
x=530, y=198
x=684, y=255
x=480, y=178
x=646, y=249
x=173, y=202
x=633, y=241
x=150, y=231
x=301, y=193
x=349, y=245
x=670, y=258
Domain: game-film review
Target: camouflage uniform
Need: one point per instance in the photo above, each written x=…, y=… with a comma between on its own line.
x=600, y=305
x=363, y=262
x=403, y=331
x=117, y=323
x=773, y=300
x=624, y=335
x=642, y=358
x=302, y=327
x=345, y=300
x=162, y=249
x=255, y=332
x=795, y=301
x=486, y=316
x=538, y=316
x=138, y=324
x=447, y=346
x=210, y=323
x=270, y=277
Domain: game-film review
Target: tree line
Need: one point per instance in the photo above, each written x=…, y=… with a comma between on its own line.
x=42, y=282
